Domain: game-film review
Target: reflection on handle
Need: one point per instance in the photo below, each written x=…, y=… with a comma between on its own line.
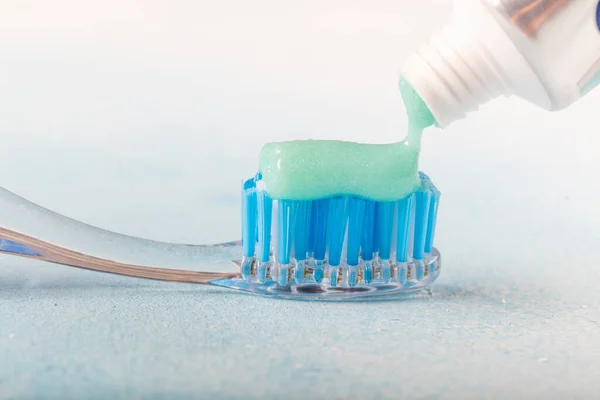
x=17, y=244
x=28, y=230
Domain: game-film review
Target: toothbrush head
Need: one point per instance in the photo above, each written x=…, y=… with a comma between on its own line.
x=337, y=248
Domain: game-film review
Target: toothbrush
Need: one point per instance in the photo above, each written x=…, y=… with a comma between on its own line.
x=334, y=248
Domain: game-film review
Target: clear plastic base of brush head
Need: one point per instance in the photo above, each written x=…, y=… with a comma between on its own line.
x=313, y=280
x=342, y=246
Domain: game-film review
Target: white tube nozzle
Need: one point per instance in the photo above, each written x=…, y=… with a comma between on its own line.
x=467, y=64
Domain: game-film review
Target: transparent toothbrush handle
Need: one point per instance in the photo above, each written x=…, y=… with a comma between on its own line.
x=28, y=230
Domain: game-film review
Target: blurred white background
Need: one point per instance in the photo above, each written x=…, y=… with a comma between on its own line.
x=143, y=116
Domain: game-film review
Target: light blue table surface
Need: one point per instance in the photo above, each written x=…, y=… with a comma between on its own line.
x=143, y=118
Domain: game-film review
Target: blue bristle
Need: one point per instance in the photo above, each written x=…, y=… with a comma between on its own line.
x=265, y=215
x=431, y=221
x=384, y=231
x=336, y=229
x=318, y=229
x=318, y=275
x=384, y=226
x=356, y=219
x=285, y=230
x=368, y=236
x=368, y=239
x=249, y=184
x=352, y=276
x=422, y=201
x=310, y=247
x=285, y=220
x=317, y=241
x=301, y=228
x=402, y=237
x=376, y=231
x=368, y=274
x=249, y=216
